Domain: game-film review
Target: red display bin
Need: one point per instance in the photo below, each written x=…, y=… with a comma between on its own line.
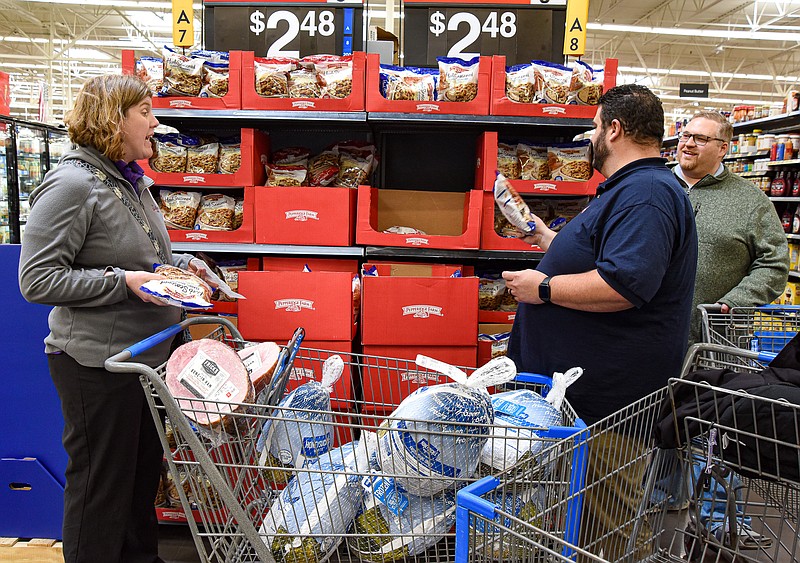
x=450, y=219
x=308, y=367
x=283, y=264
x=377, y=103
x=250, y=173
x=251, y=100
x=487, y=166
x=305, y=216
x=242, y=235
x=485, y=347
x=410, y=305
x=231, y=100
x=279, y=302
x=496, y=317
x=383, y=388
x=501, y=105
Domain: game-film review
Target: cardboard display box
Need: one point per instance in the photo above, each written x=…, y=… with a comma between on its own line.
x=486, y=165
x=279, y=302
x=449, y=219
x=353, y=102
x=231, y=100
x=242, y=235
x=305, y=216
x=412, y=305
x=501, y=105
x=485, y=347
x=251, y=172
x=377, y=103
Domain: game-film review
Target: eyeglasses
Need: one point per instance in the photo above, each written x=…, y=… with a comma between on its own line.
x=699, y=140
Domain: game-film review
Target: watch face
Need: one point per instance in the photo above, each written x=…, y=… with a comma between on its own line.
x=544, y=290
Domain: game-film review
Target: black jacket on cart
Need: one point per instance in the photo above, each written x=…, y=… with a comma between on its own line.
x=752, y=448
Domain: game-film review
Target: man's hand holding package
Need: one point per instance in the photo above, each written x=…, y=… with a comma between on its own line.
x=524, y=284
x=542, y=236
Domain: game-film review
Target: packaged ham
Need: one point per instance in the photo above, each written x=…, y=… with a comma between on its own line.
x=209, y=382
x=260, y=360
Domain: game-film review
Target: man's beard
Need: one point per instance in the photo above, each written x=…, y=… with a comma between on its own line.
x=599, y=152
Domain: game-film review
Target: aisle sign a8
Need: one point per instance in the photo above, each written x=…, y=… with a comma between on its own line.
x=182, y=23
x=575, y=35
x=453, y=28
x=285, y=29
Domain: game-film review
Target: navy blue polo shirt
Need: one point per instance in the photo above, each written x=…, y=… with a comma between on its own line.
x=639, y=234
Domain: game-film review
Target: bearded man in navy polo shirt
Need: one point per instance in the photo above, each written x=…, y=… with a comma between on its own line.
x=613, y=292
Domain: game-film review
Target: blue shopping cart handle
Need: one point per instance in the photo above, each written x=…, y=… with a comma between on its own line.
x=766, y=356
x=150, y=341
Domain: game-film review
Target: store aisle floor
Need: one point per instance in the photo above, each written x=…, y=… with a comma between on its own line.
x=175, y=544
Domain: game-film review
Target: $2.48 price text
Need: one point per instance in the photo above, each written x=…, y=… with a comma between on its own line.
x=310, y=23
x=469, y=28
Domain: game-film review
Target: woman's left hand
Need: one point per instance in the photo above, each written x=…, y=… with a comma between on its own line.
x=202, y=271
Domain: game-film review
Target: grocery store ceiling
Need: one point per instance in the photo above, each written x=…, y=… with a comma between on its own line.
x=747, y=51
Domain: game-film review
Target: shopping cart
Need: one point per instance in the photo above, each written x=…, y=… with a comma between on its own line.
x=239, y=490
x=760, y=329
x=749, y=444
x=578, y=489
x=580, y=515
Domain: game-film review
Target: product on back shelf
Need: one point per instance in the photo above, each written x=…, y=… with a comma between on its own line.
x=297, y=156
x=533, y=162
x=356, y=160
x=552, y=82
x=260, y=360
x=179, y=208
x=434, y=437
x=303, y=84
x=490, y=293
x=519, y=417
x=168, y=155
x=216, y=65
x=323, y=168
x=215, y=213
x=507, y=161
x=230, y=156
x=286, y=175
x=570, y=161
x=238, y=212
x=272, y=76
x=183, y=76
x=394, y=525
x=151, y=70
x=315, y=509
x=458, y=79
x=335, y=74
x=586, y=85
x=408, y=83
x=209, y=382
x=520, y=84
x=203, y=159
x=499, y=344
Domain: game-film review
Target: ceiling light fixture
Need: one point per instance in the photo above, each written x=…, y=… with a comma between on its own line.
x=686, y=32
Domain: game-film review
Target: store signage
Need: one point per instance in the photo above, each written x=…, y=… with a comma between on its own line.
x=466, y=29
x=285, y=29
x=182, y=23
x=693, y=91
x=575, y=33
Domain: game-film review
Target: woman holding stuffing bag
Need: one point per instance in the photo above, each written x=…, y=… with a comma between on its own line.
x=92, y=238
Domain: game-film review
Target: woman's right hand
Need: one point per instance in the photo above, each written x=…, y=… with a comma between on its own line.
x=135, y=279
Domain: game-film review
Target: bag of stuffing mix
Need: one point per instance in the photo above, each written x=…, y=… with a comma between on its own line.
x=433, y=439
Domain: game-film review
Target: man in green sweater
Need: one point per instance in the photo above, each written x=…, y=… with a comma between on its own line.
x=743, y=256
x=742, y=261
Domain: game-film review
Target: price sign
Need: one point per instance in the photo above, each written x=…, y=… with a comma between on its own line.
x=285, y=30
x=435, y=29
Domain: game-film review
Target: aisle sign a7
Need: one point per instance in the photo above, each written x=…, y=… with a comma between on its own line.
x=182, y=23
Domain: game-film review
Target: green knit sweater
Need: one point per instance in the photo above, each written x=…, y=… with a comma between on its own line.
x=743, y=256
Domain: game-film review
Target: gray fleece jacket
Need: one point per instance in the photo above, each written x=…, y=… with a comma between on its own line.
x=77, y=231
x=743, y=255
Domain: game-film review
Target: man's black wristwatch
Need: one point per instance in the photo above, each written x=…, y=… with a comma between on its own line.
x=544, y=290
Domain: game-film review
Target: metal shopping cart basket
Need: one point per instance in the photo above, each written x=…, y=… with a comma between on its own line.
x=760, y=329
x=746, y=446
x=591, y=498
x=342, y=509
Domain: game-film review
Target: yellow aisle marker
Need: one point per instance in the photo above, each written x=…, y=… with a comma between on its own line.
x=182, y=23
x=575, y=34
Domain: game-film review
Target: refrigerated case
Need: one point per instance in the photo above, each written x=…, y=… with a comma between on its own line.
x=29, y=151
